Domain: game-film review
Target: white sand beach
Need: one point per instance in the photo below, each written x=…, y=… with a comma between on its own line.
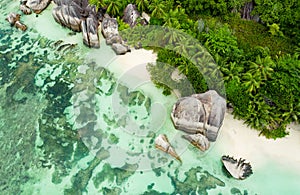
x=238, y=140
x=235, y=138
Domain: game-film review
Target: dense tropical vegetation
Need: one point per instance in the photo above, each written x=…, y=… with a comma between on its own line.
x=259, y=60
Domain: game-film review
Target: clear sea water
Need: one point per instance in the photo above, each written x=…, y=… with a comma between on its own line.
x=70, y=123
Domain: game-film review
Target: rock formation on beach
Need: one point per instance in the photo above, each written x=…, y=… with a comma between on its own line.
x=162, y=143
x=200, y=113
x=78, y=15
x=14, y=20
x=201, y=116
x=37, y=6
x=109, y=27
x=238, y=169
x=132, y=17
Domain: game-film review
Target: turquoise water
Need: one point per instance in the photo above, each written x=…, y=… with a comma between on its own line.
x=71, y=124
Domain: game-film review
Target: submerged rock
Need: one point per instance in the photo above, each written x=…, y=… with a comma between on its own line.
x=162, y=143
x=238, y=169
x=200, y=113
x=198, y=140
x=37, y=5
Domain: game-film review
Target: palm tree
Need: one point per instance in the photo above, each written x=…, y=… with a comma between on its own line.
x=232, y=72
x=252, y=82
x=142, y=5
x=157, y=8
x=262, y=67
x=113, y=8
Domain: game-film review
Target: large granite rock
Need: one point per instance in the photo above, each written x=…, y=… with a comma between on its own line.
x=131, y=15
x=37, y=5
x=200, y=113
x=238, y=169
x=78, y=15
x=109, y=27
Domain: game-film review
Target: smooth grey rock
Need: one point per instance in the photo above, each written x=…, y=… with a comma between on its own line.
x=113, y=39
x=200, y=113
x=238, y=169
x=120, y=49
x=37, y=5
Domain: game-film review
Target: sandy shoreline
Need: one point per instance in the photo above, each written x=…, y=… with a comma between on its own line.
x=235, y=138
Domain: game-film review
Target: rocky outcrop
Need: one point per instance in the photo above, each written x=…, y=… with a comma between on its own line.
x=131, y=15
x=162, y=143
x=78, y=15
x=37, y=6
x=198, y=140
x=238, y=169
x=109, y=28
x=200, y=113
x=120, y=49
x=14, y=20
x=26, y=10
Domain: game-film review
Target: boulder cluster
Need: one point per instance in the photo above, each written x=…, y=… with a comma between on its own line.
x=80, y=16
x=201, y=116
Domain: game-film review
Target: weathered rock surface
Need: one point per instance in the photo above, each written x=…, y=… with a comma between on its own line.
x=120, y=49
x=162, y=143
x=237, y=168
x=109, y=28
x=198, y=140
x=131, y=15
x=37, y=5
x=26, y=10
x=14, y=20
x=200, y=113
x=78, y=15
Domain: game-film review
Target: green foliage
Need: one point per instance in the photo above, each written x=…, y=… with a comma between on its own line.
x=221, y=42
x=274, y=30
x=284, y=13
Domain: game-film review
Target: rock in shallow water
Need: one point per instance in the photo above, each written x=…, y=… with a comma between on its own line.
x=198, y=140
x=238, y=169
x=162, y=143
x=14, y=20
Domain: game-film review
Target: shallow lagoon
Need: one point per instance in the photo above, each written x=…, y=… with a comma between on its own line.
x=72, y=123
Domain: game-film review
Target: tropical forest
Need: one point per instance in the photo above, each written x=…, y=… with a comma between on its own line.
x=254, y=43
